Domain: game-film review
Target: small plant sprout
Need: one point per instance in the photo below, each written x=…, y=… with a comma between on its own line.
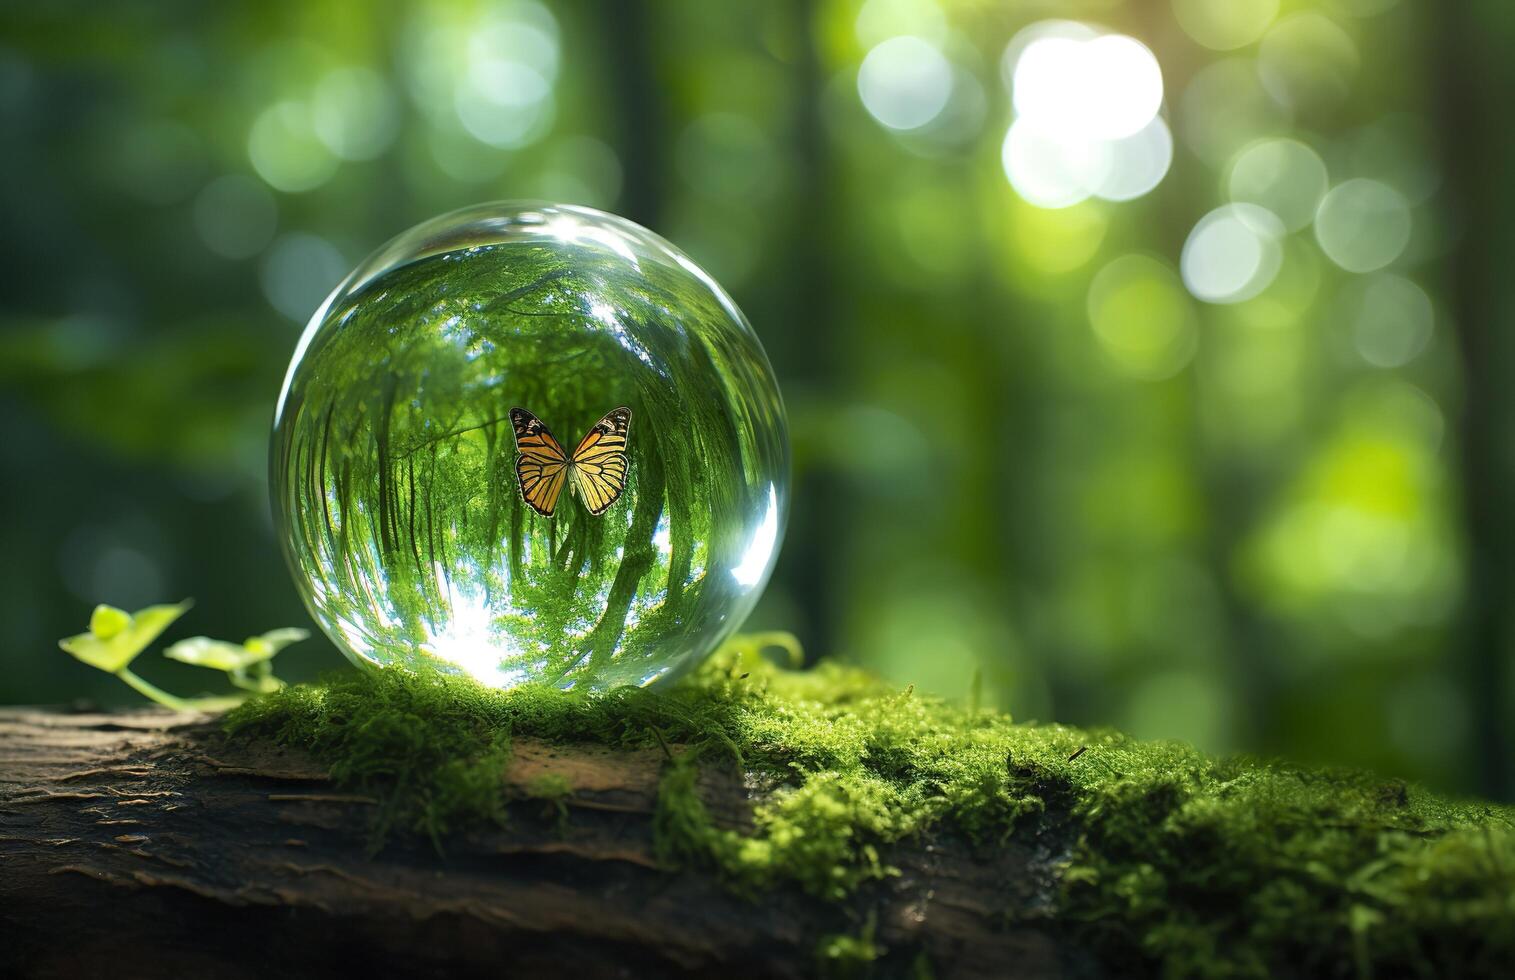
x=117, y=637
x=248, y=665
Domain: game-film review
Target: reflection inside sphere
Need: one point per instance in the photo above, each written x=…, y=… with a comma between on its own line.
x=395, y=474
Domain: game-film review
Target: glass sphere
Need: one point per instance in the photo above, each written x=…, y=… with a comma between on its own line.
x=530, y=443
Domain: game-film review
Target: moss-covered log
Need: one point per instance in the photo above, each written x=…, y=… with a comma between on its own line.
x=146, y=844
x=749, y=822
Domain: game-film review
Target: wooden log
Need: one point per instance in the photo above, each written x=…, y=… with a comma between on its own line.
x=146, y=844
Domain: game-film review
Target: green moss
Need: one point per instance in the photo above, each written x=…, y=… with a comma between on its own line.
x=1177, y=864
x=1242, y=867
x=553, y=789
x=842, y=955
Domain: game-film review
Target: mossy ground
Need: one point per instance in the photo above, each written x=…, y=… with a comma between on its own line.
x=1182, y=865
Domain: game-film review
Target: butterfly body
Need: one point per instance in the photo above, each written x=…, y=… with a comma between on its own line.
x=596, y=470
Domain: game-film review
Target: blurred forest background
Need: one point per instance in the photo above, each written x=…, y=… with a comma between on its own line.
x=1162, y=382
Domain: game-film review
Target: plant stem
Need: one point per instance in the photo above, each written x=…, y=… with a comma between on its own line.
x=153, y=692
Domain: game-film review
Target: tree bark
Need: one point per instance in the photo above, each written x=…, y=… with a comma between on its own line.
x=1479, y=150
x=146, y=843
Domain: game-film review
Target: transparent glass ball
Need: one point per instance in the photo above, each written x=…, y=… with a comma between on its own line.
x=400, y=477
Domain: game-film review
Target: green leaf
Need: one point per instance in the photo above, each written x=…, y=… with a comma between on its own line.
x=108, y=621
x=202, y=651
x=226, y=656
x=270, y=643
x=112, y=644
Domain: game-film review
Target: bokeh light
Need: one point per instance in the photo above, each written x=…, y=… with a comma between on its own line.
x=1225, y=24
x=1363, y=225
x=1144, y=323
x=492, y=74
x=1282, y=175
x=1225, y=107
x=353, y=113
x=1054, y=242
x=1358, y=534
x=879, y=20
x=1103, y=88
x=1087, y=119
x=1232, y=254
x=1051, y=172
x=505, y=103
x=1391, y=319
x=960, y=124
x=285, y=150
x=1307, y=61
x=1138, y=162
x=905, y=82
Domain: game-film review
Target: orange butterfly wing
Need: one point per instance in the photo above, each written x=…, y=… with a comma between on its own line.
x=541, y=465
x=599, y=464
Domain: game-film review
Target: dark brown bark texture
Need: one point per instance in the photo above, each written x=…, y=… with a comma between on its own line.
x=146, y=844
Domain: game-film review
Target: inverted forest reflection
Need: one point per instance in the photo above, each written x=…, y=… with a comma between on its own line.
x=395, y=464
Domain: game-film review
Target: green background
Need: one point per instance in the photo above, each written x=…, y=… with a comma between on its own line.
x=1023, y=447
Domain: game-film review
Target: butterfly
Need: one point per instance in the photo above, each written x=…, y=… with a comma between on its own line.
x=596, y=470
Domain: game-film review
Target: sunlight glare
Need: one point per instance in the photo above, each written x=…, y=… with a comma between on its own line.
x=755, y=560
x=1086, y=122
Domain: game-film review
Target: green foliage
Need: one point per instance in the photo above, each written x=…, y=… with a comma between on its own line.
x=248, y=664
x=841, y=955
x=116, y=638
x=1184, y=864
